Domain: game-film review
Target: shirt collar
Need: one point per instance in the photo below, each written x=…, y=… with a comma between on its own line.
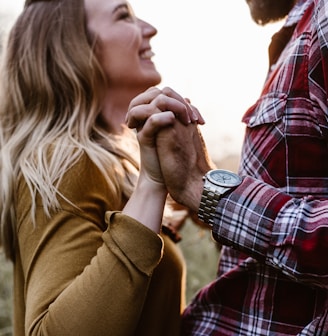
x=297, y=12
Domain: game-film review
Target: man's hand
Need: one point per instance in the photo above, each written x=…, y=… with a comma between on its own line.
x=152, y=111
x=184, y=161
x=167, y=127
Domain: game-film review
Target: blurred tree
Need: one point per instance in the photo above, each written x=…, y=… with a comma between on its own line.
x=6, y=282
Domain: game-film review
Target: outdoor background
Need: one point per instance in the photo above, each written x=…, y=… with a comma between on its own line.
x=212, y=53
x=209, y=51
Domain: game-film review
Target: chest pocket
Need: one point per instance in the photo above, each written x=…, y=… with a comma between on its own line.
x=288, y=116
x=269, y=109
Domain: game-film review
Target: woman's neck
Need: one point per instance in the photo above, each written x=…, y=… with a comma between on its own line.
x=114, y=110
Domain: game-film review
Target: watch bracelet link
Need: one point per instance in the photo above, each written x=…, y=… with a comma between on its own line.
x=208, y=204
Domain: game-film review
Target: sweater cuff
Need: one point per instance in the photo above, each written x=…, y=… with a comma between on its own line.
x=142, y=246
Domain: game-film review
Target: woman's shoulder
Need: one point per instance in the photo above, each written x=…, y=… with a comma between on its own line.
x=82, y=190
x=83, y=171
x=84, y=179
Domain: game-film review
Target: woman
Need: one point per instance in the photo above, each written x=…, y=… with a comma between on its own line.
x=69, y=167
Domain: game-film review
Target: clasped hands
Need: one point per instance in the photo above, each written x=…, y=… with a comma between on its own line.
x=172, y=149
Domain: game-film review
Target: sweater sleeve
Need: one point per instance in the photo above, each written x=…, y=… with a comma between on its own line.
x=287, y=233
x=81, y=279
x=74, y=287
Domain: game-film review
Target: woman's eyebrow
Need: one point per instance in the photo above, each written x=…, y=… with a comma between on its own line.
x=118, y=7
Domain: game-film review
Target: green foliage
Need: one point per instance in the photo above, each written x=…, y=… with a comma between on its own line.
x=5, y=296
x=201, y=254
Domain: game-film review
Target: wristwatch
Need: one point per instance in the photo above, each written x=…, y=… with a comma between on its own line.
x=217, y=183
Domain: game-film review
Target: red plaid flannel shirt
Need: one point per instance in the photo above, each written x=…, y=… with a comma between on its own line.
x=273, y=271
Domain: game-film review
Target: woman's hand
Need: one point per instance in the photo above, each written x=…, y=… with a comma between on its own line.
x=149, y=113
x=155, y=101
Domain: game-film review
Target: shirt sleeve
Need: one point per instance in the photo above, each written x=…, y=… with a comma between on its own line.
x=320, y=69
x=287, y=233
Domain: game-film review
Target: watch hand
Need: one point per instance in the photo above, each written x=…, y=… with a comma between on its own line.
x=225, y=178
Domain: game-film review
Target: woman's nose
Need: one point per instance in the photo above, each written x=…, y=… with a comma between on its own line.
x=147, y=28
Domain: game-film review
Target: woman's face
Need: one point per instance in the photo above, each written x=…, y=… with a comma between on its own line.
x=122, y=44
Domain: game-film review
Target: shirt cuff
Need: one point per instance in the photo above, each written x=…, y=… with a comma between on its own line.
x=142, y=246
x=244, y=218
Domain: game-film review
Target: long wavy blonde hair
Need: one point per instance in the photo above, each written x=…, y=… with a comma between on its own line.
x=51, y=93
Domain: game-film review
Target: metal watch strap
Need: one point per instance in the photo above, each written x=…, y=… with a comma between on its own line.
x=208, y=204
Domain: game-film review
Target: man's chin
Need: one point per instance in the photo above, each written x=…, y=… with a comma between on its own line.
x=269, y=11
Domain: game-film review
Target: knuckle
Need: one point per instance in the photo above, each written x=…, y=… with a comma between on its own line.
x=160, y=101
x=167, y=91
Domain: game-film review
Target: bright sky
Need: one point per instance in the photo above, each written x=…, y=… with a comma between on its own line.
x=211, y=52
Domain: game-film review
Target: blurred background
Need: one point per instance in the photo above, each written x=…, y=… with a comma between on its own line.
x=213, y=53
x=209, y=51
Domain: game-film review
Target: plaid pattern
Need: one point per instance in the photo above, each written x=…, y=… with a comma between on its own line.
x=273, y=271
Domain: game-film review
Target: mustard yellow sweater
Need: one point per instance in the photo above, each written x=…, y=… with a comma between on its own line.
x=89, y=270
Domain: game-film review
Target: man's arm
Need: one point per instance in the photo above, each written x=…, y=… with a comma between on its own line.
x=286, y=233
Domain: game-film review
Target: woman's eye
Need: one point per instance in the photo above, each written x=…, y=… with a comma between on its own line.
x=125, y=16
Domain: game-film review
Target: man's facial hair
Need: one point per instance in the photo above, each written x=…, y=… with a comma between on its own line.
x=268, y=11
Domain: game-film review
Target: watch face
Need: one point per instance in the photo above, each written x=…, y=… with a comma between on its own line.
x=223, y=178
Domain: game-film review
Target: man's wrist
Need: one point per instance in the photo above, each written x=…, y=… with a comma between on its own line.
x=217, y=182
x=207, y=206
x=195, y=196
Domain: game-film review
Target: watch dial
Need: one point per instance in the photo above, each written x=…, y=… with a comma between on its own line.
x=224, y=178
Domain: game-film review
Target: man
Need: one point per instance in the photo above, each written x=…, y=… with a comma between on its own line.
x=271, y=218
